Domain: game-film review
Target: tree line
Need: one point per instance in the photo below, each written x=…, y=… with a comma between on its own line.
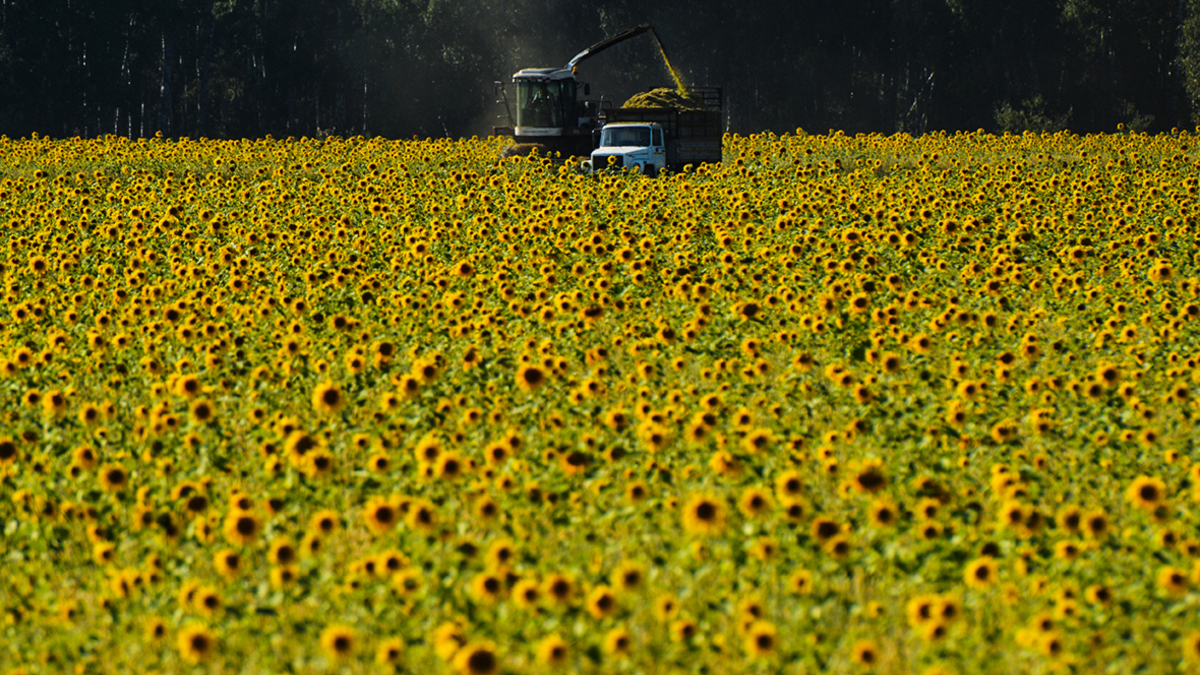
x=404, y=68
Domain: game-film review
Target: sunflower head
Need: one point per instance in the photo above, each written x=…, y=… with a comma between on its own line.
x=327, y=398
x=196, y=643
x=339, y=641
x=703, y=514
x=1146, y=493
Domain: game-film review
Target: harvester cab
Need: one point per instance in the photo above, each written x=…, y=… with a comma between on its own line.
x=546, y=101
x=547, y=112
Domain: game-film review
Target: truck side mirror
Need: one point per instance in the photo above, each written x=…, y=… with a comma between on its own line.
x=587, y=89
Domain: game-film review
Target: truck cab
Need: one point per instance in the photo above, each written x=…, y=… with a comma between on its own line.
x=635, y=146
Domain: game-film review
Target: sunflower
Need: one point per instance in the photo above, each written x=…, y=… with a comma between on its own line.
x=1146, y=493
x=318, y=464
x=283, y=576
x=380, y=514
x=407, y=581
x=703, y=514
x=981, y=572
x=800, y=582
x=601, y=602
x=869, y=477
x=325, y=522
x=297, y=445
x=1172, y=581
x=389, y=652
x=530, y=378
x=1070, y=519
x=196, y=643
x=327, y=398
x=425, y=370
x=789, y=485
x=154, y=629
x=187, y=386
x=928, y=508
x=823, y=529
x=616, y=420
x=683, y=630
x=724, y=463
x=617, y=642
x=934, y=631
x=499, y=554
x=883, y=512
x=227, y=563
x=628, y=577
x=428, y=449
x=637, y=491
x=408, y=387
x=54, y=404
x=477, y=658
x=921, y=344
x=241, y=527
x=748, y=311
x=281, y=552
x=558, y=588
x=1191, y=647
x=1012, y=513
x=1095, y=525
x=526, y=594
x=552, y=651
x=103, y=552
x=754, y=502
x=496, y=454
x=761, y=640
x=1066, y=550
x=1098, y=594
x=865, y=653
x=201, y=411
x=448, y=466
x=751, y=608
x=9, y=452
x=422, y=516
x=654, y=436
x=207, y=601
x=757, y=441
x=839, y=547
x=113, y=477
x=921, y=609
x=339, y=641
x=948, y=609
x=1050, y=644
x=488, y=587
x=487, y=508
x=666, y=608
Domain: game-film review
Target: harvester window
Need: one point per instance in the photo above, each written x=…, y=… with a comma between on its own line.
x=545, y=104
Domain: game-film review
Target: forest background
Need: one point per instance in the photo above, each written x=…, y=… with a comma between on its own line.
x=399, y=68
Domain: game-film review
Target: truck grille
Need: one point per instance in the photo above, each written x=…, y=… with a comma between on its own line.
x=601, y=161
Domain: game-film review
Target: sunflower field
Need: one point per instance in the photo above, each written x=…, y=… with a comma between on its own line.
x=841, y=404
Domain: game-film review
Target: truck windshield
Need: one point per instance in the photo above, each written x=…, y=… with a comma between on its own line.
x=618, y=136
x=545, y=104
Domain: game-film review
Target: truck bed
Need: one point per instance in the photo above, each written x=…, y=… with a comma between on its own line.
x=676, y=124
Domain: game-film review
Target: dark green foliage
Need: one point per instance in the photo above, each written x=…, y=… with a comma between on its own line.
x=398, y=68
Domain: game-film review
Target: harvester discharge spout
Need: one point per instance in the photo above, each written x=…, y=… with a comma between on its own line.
x=609, y=42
